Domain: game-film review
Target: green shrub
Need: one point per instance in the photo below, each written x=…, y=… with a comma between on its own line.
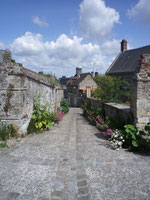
x=144, y=138
x=53, y=117
x=4, y=133
x=64, y=106
x=135, y=139
x=7, y=130
x=41, y=119
x=115, y=123
x=86, y=107
x=130, y=136
x=111, y=89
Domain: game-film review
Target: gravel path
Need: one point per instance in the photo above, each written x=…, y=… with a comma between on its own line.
x=72, y=162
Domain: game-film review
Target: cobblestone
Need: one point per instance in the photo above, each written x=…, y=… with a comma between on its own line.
x=72, y=161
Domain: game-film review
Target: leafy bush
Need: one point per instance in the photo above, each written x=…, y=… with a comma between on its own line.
x=4, y=132
x=115, y=123
x=95, y=117
x=130, y=136
x=144, y=138
x=7, y=130
x=121, y=135
x=64, y=106
x=53, y=117
x=41, y=119
x=111, y=89
x=138, y=140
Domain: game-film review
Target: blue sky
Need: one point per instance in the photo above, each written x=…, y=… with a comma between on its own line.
x=56, y=36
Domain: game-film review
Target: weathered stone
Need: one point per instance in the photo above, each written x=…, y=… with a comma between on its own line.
x=13, y=196
x=140, y=93
x=18, y=88
x=82, y=183
x=27, y=197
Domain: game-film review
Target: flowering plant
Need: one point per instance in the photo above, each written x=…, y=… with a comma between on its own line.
x=97, y=120
x=60, y=115
x=116, y=139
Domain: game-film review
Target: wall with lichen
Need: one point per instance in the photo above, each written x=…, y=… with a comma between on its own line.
x=18, y=87
x=140, y=93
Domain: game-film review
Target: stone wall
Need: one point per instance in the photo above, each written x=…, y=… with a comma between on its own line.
x=18, y=87
x=140, y=95
x=119, y=112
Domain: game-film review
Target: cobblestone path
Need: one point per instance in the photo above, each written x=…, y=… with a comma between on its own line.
x=72, y=162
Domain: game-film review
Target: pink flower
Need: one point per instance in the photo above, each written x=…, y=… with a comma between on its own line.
x=103, y=133
x=100, y=119
x=109, y=131
x=97, y=124
x=106, y=125
x=89, y=117
x=90, y=113
x=60, y=115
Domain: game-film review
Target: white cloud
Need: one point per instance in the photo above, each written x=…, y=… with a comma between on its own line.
x=60, y=57
x=141, y=11
x=111, y=48
x=1, y=45
x=97, y=20
x=40, y=22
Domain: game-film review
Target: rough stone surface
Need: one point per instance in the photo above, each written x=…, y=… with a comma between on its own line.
x=114, y=110
x=140, y=95
x=18, y=88
x=72, y=161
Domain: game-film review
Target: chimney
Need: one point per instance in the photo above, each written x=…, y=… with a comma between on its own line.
x=123, y=45
x=78, y=72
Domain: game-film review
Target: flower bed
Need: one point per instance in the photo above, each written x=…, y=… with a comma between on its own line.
x=126, y=136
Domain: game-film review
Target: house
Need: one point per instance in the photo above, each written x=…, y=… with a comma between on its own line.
x=63, y=81
x=126, y=63
x=78, y=86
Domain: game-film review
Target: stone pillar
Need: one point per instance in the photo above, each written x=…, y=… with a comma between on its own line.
x=140, y=93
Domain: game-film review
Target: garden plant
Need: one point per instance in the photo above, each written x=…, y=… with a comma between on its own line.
x=42, y=119
x=7, y=131
x=127, y=136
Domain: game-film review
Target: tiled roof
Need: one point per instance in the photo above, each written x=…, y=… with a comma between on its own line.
x=127, y=61
x=74, y=81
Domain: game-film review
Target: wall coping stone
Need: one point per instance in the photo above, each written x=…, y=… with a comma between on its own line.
x=119, y=106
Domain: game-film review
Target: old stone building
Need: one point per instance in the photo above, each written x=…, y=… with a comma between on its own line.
x=18, y=87
x=78, y=86
x=126, y=63
x=63, y=81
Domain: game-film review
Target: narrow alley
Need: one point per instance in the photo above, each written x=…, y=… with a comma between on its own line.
x=72, y=162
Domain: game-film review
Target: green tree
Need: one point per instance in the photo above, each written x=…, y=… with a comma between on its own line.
x=111, y=89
